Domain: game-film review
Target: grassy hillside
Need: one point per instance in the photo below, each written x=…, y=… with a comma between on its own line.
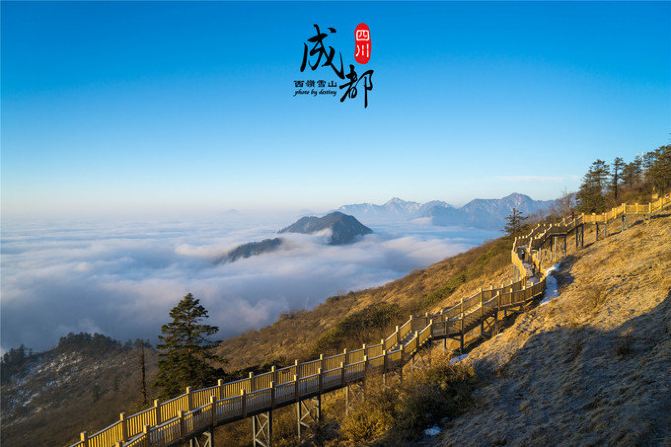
x=590, y=367
x=599, y=350
x=73, y=388
x=348, y=320
x=82, y=384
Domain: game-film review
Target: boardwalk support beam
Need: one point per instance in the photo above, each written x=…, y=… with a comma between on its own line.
x=262, y=429
x=308, y=416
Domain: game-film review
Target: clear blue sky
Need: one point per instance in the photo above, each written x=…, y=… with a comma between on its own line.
x=129, y=107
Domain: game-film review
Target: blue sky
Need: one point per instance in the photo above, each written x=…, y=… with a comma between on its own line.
x=173, y=107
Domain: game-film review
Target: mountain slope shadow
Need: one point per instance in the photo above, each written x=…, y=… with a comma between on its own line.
x=579, y=386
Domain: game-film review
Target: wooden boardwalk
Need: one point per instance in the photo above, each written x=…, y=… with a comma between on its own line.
x=195, y=412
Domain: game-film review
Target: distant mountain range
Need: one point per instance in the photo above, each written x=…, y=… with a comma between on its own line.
x=481, y=213
x=345, y=229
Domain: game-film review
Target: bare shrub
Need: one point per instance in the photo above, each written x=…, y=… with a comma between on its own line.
x=368, y=422
x=574, y=348
x=400, y=413
x=623, y=345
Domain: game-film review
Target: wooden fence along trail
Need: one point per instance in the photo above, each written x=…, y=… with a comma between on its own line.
x=197, y=412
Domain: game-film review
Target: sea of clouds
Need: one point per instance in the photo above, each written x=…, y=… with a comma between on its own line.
x=121, y=278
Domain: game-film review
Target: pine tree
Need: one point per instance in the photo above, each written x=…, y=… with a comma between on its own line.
x=591, y=197
x=658, y=174
x=631, y=173
x=515, y=222
x=185, y=349
x=618, y=165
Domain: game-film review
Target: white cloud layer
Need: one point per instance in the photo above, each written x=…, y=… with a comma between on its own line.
x=121, y=279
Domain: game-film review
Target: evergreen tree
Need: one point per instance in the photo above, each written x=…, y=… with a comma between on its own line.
x=616, y=179
x=648, y=160
x=12, y=362
x=185, y=350
x=515, y=222
x=658, y=174
x=591, y=197
x=631, y=173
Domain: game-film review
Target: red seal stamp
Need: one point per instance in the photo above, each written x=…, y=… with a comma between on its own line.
x=362, y=43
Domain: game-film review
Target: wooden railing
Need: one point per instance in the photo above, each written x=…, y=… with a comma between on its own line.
x=166, y=423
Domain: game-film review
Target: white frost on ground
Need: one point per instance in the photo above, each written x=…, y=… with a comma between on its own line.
x=551, y=286
x=432, y=431
x=458, y=358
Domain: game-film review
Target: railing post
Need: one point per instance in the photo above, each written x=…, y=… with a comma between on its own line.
x=145, y=432
x=365, y=363
x=321, y=361
x=213, y=407
x=220, y=388
x=251, y=381
x=345, y=356
x=398, y=336
x=243, y=402
x=157, y=411
x=384, y=361
x=273, y=371
x=342, y=373
x=180, y=415
x=365, y=350
x=321, y=379
x=189, y=398
x=84, y=439
x=461, y=337
x=124, y=426
x=296, y=397
x=416, y=341
x=272, y=394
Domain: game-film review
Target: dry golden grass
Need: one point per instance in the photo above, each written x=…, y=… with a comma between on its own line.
x=592, y=366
